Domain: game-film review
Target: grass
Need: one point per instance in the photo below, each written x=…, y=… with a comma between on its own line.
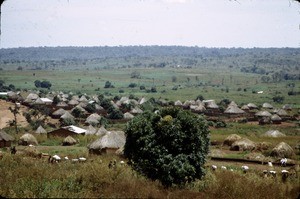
x=214, y=85
x=95, y=179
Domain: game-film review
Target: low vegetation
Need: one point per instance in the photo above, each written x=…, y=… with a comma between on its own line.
x=27, y=177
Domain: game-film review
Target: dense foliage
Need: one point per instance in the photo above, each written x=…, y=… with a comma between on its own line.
x=169, y=146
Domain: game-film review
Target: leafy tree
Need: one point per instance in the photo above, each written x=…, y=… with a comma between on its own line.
x=108, y=84
x=37, y=83
x=114, y=113
x=169, y=146
x=278, y=99
x=46, y=84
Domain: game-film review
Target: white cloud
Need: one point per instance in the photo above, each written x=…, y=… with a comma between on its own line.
x=177, y=1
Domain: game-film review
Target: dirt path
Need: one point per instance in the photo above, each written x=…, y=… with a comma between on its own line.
x=6, y=115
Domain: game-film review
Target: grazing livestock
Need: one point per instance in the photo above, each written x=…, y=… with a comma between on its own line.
x=283, y=162
x=122, y=163
x=223, y=167
x=81, y=159
x=75, y=160
x=245, y=168
x=265, y=173
x=272, y=173
x=270, y=164
x=66, y=158
x=214, y=167
x=284, y=175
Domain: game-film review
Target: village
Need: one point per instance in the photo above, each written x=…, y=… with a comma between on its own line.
x=68, y=118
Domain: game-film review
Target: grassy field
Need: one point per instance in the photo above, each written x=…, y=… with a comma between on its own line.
x=94, y=179
x=190, y=83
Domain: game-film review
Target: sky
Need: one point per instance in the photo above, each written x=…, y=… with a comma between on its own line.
x=203, y=23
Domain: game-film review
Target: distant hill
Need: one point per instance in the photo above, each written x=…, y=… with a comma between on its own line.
x=88, y=53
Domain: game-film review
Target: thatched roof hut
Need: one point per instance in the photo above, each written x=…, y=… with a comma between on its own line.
x=281, y=112
x=90, y=130
x=40, y=130
x=283, y=150
x=136, y=110
x=101, y=131
x=108, y=143
x=62, y=104
x=232, y=103
x=276, y=119
x=287, y=107
x=243, y=144
x=263, y=114
x=93, y=119
x=68, y=141
x=67, y=115
x=83, y=99
x=231, y=139
x=73, y=102
x=245, y=108
x=128, y=115
x=5, y=139
x=235, y=110
x=211, y=104
x=252, y=106
x=274, y=133
x=27, y=139
x=59, y=112
x=178, y=103
x=197, y=108
x=267, y=105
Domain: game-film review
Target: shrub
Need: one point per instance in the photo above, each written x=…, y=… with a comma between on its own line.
x=169, y=146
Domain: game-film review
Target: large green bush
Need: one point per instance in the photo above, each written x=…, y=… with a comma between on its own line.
x=169, y=146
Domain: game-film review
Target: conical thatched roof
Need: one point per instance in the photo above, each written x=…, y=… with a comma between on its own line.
x=6, y=137
x=27, y=139
x=281, y=112
x=39, y=101
x=197, y=108
x=40, y=130
x=61, y=104
x=263, y=114
x=210, y=104
x=243, y=144
x=101, y=131
x=274, y=133
x=252, y=106
x=136, y=110
x=112, y=139
x=275, y=118
x=232, y=103
x=32, y=96
x=93, y=119
x=80, y=108
x=283, y=150
x=83, y=99
x=83, y=104
x=68, y=141
x=231, y=139
x=267, y=105
x=90, y=130
x=75, y=97
x=59, y=112
x=178, y=103
x=245, y=107
x=234, y=110
x=73, y=102
x=287, y=107
x=67, y=115
x=128, y=115
x=98, y=107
